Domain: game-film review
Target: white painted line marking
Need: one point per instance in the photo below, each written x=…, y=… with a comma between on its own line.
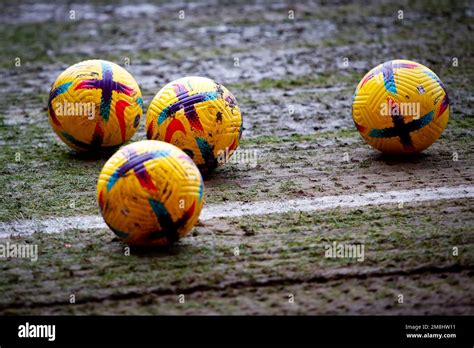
x=239, y=209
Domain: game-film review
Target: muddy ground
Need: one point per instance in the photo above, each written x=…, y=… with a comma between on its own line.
x=295, y=92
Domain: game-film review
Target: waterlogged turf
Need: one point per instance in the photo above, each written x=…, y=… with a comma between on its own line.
x=276, y=255
x=294, y=88
x=321, y=164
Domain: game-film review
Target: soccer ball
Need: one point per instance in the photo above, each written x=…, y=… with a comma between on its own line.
x=400, y=107
x=150, y=193
x=95, y=104
x=198, y=115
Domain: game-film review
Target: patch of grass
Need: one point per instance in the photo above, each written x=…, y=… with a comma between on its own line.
x=321, y=80
x=365, y=163
x=280, y=246
x=298, y=138
x=42, y=177
x=287, y=185
x=35, y=42
x=177, y=54
x=54, y=42
x=350, y=13
x=12, y=100
x=466, y=123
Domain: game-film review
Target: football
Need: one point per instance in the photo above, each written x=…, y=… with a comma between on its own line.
x=150, y=193
x=95, y=104
x=400, y=107
x=198, y=115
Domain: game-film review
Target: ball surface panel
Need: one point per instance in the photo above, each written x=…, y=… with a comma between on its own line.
x=95, y=104
x=400, y=107
x=150, y=193
x=198, y=115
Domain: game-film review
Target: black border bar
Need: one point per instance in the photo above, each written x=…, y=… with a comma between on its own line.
x=224, y=330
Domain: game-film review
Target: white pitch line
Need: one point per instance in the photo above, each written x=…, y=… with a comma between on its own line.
x=239, y=209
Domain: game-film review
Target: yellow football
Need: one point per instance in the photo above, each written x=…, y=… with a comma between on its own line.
x=95, y=104
x=150, y=193
x=198, y=115
x=400, y=107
